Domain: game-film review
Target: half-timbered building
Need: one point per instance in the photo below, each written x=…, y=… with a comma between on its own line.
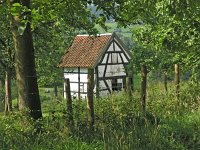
x=105, y=56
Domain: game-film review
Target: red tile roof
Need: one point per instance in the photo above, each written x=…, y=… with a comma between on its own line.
x=85, y=51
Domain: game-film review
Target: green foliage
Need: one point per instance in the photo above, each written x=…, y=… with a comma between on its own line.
x=48, y=55
x=119, y=123
x=6, y=44
x=172, y=27
x=18, y=132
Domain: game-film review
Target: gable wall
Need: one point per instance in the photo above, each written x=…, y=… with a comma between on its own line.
x=112, y=65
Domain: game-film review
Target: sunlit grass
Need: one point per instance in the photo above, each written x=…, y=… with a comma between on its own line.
x=119, y=123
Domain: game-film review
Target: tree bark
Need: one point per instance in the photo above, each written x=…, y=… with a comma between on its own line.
x=143, y=86
x=177, y=80
x=90, y=97
x=69, y=101
x=8, y=99
x=28, y=93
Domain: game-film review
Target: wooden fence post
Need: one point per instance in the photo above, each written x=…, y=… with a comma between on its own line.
x=69, y=101
x=90, y=97
x=143, y=87
x=177, y=80
x=55, y=89
x=165, y=81
x=128, y=86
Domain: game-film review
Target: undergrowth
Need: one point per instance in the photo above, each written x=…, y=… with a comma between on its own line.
x=169, y=123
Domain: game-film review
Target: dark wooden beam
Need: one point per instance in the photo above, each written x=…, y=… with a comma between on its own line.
x=78, y=82
x=79, y=95
x=113, y=77
x=106, y=65
x=114, y=52
x=107, y=86
x=97, y=82
x=63, y=82
x=77, y=92
x=75, y=72
x=105, y=89
x=113, y=64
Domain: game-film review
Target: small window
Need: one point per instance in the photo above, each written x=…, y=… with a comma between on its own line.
x=115, y=85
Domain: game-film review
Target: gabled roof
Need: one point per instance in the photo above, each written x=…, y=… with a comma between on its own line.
x=85, y=51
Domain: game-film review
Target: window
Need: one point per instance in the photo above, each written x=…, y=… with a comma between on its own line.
x=116, y=86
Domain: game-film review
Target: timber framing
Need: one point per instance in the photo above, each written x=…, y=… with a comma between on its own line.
x=109, y=68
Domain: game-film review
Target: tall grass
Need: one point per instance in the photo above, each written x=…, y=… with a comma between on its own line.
x=119, y=123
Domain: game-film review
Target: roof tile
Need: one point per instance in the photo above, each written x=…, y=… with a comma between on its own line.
x=84, y=51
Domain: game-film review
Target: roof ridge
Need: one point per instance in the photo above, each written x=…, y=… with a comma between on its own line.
x=97, y=34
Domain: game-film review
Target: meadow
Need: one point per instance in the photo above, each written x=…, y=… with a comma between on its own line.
x=119, y=123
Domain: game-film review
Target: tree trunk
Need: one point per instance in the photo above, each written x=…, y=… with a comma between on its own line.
x=177, y=80
x=26, y=78
x=143, y=86
x=165, y=81
x=8, y=99
x=90, y=97
x=69, y=101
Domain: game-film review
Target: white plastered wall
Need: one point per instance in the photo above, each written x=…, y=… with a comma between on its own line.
x=72, y=74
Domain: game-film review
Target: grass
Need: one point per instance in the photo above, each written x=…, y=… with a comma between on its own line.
x=119, y=123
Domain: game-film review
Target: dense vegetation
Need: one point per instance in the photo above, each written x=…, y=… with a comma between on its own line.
x=119, y=123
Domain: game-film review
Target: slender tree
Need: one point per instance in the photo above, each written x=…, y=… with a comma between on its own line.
x=8, y=99
x=7, y=64
x=6, y=55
